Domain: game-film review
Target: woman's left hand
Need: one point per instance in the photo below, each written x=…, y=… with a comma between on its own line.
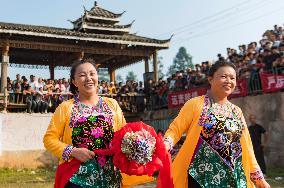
x=262, y=184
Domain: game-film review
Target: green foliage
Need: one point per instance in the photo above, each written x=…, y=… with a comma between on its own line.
x=131, y=76
x=182, y=61
x=160, y=68
x=119, y=78
x=103, y=74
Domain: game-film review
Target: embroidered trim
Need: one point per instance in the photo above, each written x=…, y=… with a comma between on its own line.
x=67, y=152
x=257, y=175
x=205, y=108
x=170, y=141
x=80, y=110
x=207, y=104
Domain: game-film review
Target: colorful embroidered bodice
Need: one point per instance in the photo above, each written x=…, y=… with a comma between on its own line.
x=217, y=160
x=92, y=129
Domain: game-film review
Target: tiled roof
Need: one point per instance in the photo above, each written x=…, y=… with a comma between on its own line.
x=53, y=32
x=100, y=12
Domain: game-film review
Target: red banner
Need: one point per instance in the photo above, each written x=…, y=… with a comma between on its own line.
x=271, y=82
x=240, y=89
x=177, y=99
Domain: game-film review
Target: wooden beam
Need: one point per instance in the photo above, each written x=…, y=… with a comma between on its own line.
x=4, y=66
x=155, y=66
x=76, y=48
x=100, y=61
x=112, y=74
x=146, y=62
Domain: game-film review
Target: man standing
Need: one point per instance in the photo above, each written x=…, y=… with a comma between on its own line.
x=256, y=132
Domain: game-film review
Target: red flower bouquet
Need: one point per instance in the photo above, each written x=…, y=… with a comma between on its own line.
x=138, y=150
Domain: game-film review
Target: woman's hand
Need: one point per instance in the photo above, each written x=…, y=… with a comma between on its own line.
x=82, y=154
x=262, y=184
x=168, y=147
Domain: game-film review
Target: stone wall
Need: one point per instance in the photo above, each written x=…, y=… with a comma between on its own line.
x=269, y=110
x=21, y=136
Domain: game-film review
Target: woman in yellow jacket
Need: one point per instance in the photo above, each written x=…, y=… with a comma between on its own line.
x=217, y=151
x=84, y=124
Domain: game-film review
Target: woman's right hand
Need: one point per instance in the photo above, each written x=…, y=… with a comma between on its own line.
x=82, y=154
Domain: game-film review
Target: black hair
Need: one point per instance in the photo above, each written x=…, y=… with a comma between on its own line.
x=73, y=89
x=218, y=65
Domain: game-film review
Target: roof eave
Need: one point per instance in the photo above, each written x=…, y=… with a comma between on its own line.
x=126, y=30
x=164, y=44
x=102, y=18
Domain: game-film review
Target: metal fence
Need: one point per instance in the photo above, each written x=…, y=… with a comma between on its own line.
x=161, y=124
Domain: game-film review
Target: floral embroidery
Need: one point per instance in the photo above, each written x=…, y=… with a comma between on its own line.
x=170, y=141
x=92, y=175
x=223, y=137
x=257, y=175
x=209, y=170
x=92, y=129
x=205, y=108
x=97, y=132
x=66, y=152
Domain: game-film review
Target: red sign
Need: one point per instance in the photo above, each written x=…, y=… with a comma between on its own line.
x=177, y=99
x=240, y=89
x=271, y=82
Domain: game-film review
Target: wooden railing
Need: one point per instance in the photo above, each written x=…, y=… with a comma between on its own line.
x=130, y=103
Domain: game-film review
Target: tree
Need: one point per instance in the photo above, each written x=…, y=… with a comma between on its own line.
x=119, y=78
x=160, y=68
x=182, y=61
x=103, y=74
x=131, y=76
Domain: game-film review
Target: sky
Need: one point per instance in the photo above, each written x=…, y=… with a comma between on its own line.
x=204, y=27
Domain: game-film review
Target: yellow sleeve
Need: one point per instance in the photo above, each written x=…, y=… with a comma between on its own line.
x=182, y=122
x=120, y=120
x=52, y=138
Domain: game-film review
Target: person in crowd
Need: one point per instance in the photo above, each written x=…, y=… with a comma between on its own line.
x=40, y=84
x=84, y=124
x=60, y=86
x=112, y=88
x=33, y=82
x=18, y=79
x=49, y=86
x=217, y=138
x=41, y=104
x=256, y=131
x=28, y=95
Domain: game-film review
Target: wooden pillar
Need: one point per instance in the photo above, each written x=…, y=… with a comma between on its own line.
x=4, y=67
x=155, y=66
x=112, y=74
x=51, y=71
x=146, y=61
x=80, y=55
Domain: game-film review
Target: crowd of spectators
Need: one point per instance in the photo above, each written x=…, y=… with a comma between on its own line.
x=267, y=56
x=39, y=95
x=43, y=96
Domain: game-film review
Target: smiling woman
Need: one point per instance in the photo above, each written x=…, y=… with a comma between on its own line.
x=79, y=127
x=217, y=151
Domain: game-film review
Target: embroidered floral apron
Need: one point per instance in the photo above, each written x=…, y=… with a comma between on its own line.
x=92, y=129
